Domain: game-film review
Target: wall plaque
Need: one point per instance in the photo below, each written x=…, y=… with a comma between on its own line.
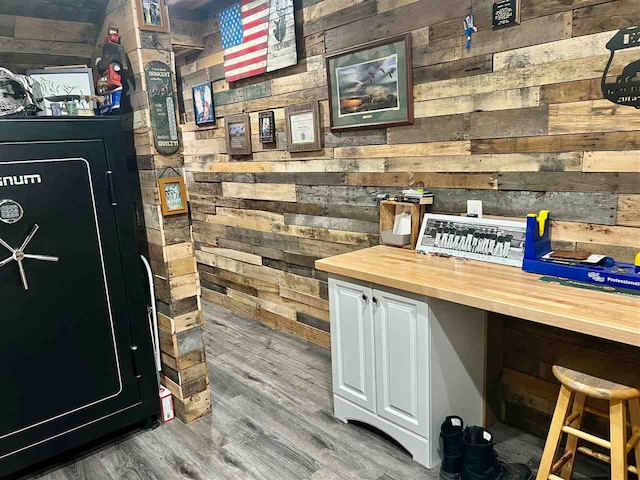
x=506, y=13
x=626, y=88
x=162, y=104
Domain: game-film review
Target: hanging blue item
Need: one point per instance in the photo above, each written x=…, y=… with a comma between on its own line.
x=539, y=258
x=469, y=29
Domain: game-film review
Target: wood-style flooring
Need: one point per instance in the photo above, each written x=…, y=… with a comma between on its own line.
x=272, y=420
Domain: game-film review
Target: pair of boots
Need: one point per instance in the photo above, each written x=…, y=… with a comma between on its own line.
x=469, y=453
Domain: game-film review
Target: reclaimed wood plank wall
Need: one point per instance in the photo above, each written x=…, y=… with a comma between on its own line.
x=166, y=241
x=37, y=33
x=519, y=122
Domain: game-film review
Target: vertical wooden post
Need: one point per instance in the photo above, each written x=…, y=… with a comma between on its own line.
x=167, y=240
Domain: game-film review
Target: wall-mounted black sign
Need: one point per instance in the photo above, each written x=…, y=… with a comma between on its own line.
x=626, y=89
x=163, y=105
x=506, y=13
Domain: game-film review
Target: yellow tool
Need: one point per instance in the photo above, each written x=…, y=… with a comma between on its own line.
x=542, y=218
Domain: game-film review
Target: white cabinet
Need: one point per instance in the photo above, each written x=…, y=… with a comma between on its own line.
x=352, y=342
x=403, y=362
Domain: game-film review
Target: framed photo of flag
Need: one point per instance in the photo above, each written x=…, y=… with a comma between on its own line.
x=258, y=36
x=371, y=86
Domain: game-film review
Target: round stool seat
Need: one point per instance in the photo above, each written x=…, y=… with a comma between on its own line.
x=594, y=387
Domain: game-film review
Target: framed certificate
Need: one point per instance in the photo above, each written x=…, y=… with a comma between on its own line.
x=173, y=196
x=303, y=127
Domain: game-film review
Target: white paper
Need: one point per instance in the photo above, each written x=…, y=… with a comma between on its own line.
x=402, y=224
x=302, y=129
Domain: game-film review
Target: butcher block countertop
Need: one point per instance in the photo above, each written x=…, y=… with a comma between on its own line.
x=495, y=288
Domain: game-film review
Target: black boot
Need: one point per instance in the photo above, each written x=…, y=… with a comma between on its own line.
x=481, y=460
x=451, y=433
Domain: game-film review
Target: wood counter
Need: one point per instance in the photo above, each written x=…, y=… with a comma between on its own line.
x=495, y=288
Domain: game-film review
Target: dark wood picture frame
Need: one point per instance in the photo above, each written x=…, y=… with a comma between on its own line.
x=408, y=72
x=246, y=121
x=314, y=109
x=267, y=135
x=153, y=28
x=164, y=203
x=211, y=121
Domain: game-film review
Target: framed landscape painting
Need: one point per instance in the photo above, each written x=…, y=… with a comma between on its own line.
x=370, y=86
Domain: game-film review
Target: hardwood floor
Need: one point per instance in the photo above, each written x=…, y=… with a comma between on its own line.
x=272, y=420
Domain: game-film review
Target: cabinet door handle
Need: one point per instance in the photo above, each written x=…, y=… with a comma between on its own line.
x=375, y=300
x=365, y=298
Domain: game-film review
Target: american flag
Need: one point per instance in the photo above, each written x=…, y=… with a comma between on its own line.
x=245, y=38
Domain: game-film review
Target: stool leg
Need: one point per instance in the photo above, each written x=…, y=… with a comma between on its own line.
x=618, y=419
x=555, y=433
x=572, y=442
x=634, y=410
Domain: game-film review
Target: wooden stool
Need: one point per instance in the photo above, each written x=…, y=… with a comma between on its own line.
x=578, y=386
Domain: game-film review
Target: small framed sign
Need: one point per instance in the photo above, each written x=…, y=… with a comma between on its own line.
x=267, y=124
x=203, y=110
x=506, y=13
x=162, y=105
x=238, y=134
x=173, y=196
x=303, y=127
x=152, y=15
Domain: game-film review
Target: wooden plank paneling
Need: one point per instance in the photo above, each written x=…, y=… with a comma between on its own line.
x=264, y=191
x=503, y=100
x=476, y=65
x=519, y=122
x=621, y=161
x=588, y=46
x=567, y=71
x=428, y=180
x=508, y=162
x=38, y=9
x=537, y=8
x=54, y=30
x=43, y=47
x=605, y=16
x=392, y=22
x=7, y=25
x=564, y=205
x=571, y=182
x=628, y=210
x=524, y=122
x=559, y=143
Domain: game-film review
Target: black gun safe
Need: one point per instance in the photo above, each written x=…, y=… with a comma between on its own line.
x=76, y=355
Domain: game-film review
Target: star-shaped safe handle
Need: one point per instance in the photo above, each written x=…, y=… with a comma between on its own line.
x=18, y=255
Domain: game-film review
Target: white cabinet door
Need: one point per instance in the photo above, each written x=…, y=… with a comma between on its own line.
x=352, y=342
x=402, y=360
